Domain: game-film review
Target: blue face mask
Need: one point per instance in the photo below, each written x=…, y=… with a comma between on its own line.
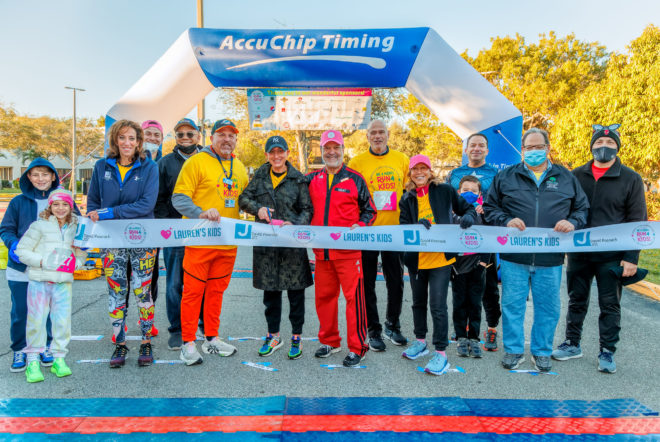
x=470, y=197
x=535, y=157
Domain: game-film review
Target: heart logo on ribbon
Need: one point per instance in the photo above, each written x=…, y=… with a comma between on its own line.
x=502, y=239
x=335, y=236
x=166, y=233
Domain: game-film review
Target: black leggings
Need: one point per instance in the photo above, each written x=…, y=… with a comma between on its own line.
x=431, y=285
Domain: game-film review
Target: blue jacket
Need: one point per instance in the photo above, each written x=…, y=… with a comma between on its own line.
x=131, y=199
x=22, y=209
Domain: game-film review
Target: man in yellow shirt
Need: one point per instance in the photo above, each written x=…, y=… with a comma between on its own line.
x=385, y=172
x=208, y=188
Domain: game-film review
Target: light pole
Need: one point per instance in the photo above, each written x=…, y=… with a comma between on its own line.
x=200, y=106
x=72, y=179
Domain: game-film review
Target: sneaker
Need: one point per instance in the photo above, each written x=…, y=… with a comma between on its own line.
x=394, y=335
x=490, y=343
x=174, y=342
x=376, y=342
x=295, y=351
x=326, y=350
x=463, y=347
x=114, y=340
x=566, y=351
x=189, y=354
x=542, y=363
x=453, y=337
x=60, y=369
x=437, y=365
x=146, y=355
x=606, y=362
x=271, y=343
x=33, y=372
x=475, y=348
x=416, y=350
x=352, y=359
x=46, y=357
x=118, y=358
x=218, y=346
x=511, y=361
x=19, y=363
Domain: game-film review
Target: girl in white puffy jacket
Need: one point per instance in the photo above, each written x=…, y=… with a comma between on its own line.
x=47, y=249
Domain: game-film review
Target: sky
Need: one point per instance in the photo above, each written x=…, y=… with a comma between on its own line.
x=104, y=47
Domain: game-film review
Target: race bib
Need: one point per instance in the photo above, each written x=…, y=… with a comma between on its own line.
x=385, y=199
x=230, y=203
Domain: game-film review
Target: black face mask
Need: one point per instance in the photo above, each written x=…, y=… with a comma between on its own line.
x=604, y=154
x=188, y=149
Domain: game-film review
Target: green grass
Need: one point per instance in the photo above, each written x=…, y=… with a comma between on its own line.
x=650, y=259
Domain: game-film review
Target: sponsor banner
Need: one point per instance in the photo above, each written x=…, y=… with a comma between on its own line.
x=440, y=238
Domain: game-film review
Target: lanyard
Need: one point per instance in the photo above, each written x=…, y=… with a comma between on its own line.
x=227, y=179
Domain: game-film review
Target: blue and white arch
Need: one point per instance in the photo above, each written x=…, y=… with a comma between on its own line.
x=415, y=58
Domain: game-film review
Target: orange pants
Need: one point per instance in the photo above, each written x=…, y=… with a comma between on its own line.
x=206, y=275
x=329, y=277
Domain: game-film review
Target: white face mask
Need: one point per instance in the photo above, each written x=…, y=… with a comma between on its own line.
x=151, y=147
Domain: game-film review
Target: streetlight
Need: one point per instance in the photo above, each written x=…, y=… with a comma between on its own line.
x=72, y=179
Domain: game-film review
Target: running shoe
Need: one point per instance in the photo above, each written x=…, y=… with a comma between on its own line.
x=146, y=355
x=60, y=369
x=33, y=372
x=271, y=343
x=566, y=351
x=118, y=358
x=189, y=354
x=325, y=351
x=416, y=350
x=295, y=351
x=437, y=365
x=218, y=346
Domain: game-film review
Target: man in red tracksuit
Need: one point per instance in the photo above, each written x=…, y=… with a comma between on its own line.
x=341, y=198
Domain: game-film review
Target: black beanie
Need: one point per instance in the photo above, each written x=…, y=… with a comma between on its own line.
x=606, y=131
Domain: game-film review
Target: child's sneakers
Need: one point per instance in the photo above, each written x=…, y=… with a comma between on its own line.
x=19, y=362
x=296, y=348
x=46, y=357
x=416, y=350
x=271, y=343
x=437, y=365
x=475, y=348
x=60, y=369
x=33, y=372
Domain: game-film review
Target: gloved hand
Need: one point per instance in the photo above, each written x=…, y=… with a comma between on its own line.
x=426, y=223
x=13, y=255
x=466, y=221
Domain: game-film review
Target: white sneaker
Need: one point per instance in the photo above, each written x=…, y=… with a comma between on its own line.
x=189, y=354
x=218, y=346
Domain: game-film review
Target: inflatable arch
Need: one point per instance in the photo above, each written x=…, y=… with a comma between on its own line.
x=415, y=58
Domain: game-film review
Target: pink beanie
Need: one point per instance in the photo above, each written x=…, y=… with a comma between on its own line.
x=61, y=194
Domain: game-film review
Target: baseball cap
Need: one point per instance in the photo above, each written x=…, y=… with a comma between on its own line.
x=222, y=124
x=186, y=122
x=627, y=280
x=152, y=123
x=276, y=141
x=331, y=135
x=420, y=159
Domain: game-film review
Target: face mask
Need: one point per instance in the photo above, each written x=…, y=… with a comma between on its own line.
x=470, y=197
x=535, y=157
x=151, y=147
x=188, y=149
x=604, y=154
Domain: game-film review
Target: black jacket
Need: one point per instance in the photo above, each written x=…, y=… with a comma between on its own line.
x=514, y=194
x=617, y=197
x=169, y=168
x=467, y=262
x=279, y=268
x=444, y=201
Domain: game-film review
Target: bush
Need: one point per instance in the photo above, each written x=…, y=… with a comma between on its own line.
x=16, y=184
x=6, y=184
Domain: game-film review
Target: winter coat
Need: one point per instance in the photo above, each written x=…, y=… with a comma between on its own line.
x=41, y=240
x=279, y=268
x=169, y=168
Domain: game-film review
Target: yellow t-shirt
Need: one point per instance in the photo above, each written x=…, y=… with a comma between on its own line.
x=276, y=179
x=331, y=176
x=202, y=179
x=386, y=177
x=429, y=260
x=123, y=170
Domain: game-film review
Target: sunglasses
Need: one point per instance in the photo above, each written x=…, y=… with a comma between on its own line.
x=612, y=127
x=185, y=134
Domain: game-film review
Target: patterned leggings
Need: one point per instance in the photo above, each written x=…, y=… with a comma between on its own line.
x=115, y=265
x=42, y=298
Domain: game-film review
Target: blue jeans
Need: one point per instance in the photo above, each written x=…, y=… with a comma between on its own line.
x=545, y=283
x=173, y=257
x=19, y=314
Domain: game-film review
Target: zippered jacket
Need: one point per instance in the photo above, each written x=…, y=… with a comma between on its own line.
x=169, y=168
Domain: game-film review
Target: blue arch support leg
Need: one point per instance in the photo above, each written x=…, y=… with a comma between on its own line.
x=504, y=143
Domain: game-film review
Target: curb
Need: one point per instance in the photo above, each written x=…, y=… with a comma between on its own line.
x=648, y=289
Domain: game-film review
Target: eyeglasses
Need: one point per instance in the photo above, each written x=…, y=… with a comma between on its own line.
x=612, y=127
x=185, y=134
x=535, y=147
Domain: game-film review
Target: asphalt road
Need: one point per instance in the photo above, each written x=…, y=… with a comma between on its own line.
x=386, y=374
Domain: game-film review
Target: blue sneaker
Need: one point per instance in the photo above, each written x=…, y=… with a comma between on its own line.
x=19, y=363
x=46, y=357
x=437, y=365
x=416, y=350
x=606, y=362
x=566, y=351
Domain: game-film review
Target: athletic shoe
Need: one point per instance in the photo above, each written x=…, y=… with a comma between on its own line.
x=271, y=343
x=416, y=350
x=60, y=369
x=475, y=348
x=46, y=357
x=146, y=355
x=566, y=351
x=118, y=358
x=394, y=335
x=19, y=363
x=189, y=354
x=295, y=351
x=352, y=359
x=325, y=351
x=33, y=372
x=174, y=342
x=463, y=347
x=376, y=342
x=512, y=361
x=218, y=346
x=437, y=365
x=114, y=340
x=490, y=343
x=542, y=363
x=453, y=337
x=606, y=362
